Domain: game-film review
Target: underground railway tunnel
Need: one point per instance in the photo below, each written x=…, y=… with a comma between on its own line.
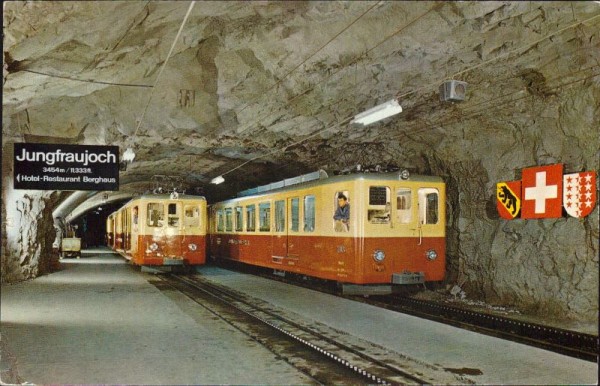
x=498, y=101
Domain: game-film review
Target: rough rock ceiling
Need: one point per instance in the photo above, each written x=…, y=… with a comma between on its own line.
x=276, y=83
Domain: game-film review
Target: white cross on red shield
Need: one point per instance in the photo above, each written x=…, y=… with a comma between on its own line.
x=541, y=195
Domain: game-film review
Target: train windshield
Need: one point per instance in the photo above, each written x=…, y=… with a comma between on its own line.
x=380, y=205
x=428, y=206
x=156, y=214
x=403, y=205
x=191, y=216
x=173, y=215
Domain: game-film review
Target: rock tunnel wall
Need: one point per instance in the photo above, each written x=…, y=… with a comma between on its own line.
x=546, y=266
x=27, y=227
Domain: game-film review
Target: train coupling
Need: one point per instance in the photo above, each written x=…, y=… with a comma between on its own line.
x=168, y=261
x=408, y=278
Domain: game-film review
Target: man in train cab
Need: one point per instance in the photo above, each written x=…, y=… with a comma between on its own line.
x=342, y=214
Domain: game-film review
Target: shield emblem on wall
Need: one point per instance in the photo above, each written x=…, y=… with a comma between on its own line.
x=541, y=192
x=508, y=199
x=579, y=193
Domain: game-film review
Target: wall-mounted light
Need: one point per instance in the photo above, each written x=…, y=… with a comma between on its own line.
x=217, y=180
x=378, y=113
x=129, y=155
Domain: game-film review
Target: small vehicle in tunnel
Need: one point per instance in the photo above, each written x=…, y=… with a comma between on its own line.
x=368, y=231
x=160, y=231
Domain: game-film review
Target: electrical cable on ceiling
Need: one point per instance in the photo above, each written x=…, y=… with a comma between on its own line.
x=163, y=67
x=496, y=105
x=87, y=80
x=307, y=59
x=470, y=68
x=400, y=95
x=437, y=82
x=330, y=75
x=320, y=131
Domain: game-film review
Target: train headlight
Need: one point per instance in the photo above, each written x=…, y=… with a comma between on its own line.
x=192, y=247
x=431, y=254
x=153, y=247
x=378, y=255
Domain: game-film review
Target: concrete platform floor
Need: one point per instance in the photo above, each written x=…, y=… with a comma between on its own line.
x=500, y=361
x=98, y=321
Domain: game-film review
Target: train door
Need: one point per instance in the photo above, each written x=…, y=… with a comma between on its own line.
x=191, y=229
x=279, y=238
x=127, y=230
x=135, y=231
x=429, y=212
x=293, y=229
x=264, y=226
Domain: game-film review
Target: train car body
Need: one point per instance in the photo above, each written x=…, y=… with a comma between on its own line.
x=394, y=233
x=160, y=230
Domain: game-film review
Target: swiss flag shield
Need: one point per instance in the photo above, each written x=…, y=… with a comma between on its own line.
x=579, y=194
x=508, y=199
x=542, y=187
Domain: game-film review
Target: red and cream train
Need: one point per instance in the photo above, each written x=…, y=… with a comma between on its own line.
x=392, y=230
x=160, y=231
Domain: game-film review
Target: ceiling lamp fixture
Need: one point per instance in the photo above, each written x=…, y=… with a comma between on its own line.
x=378, y=113
x=129, y=155
x=217, y=180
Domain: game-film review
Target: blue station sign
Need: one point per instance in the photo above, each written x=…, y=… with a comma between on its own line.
x=41, y=166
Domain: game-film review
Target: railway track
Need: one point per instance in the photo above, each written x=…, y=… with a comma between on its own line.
x=324, y=358
x=566, y=342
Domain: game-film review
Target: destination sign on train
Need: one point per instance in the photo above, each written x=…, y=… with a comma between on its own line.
x=41, y=166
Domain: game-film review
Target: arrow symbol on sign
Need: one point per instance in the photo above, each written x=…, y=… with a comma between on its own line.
x=18, y=178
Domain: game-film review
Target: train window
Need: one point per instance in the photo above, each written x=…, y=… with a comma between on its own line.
x=428, y=206
x=239, y=219
x=380, y=205
x=341, y=216
x=156, y=213
x=264, y=216
x=220, y=222
x=295, y=224
x=280, y=216
x=403, y=205
x=191, y=216
x=251, y=218
x=173, y=215
x=228, y=220
x=309, y=213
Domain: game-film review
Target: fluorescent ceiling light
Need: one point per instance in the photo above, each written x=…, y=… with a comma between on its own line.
x=128, y=155
x=378, y=113
x=217, y=180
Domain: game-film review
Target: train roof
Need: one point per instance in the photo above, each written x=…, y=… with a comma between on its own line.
x=323, y=179
x=168, y=197
x=182, y=197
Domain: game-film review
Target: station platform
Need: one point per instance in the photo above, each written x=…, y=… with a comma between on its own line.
x=482, y=359
x=100, y=321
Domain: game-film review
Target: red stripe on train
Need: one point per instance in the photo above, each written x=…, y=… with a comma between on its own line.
x=344, y=259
